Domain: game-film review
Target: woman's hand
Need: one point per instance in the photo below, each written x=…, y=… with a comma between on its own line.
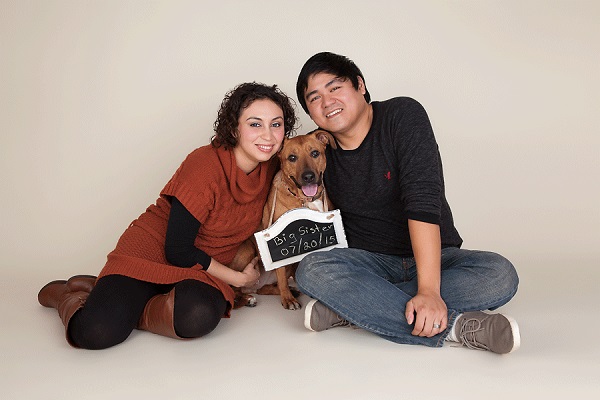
x=249, y=276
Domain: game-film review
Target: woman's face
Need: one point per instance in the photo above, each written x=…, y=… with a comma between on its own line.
x=260, y=134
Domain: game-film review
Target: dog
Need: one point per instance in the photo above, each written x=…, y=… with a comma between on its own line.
x=298, y=183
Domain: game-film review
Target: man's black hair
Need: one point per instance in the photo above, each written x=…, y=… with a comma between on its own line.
x=330, y=63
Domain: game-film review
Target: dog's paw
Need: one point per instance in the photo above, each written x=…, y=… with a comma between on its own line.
x=291, y=304
x=244, y=300
x=252, y=302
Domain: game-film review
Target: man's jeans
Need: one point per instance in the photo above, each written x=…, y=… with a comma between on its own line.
x=371, y=290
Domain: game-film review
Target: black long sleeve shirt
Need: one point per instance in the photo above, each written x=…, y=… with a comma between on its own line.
x=182, y=230
x=393, y=176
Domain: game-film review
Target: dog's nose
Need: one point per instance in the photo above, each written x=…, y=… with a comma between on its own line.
x=308, y=177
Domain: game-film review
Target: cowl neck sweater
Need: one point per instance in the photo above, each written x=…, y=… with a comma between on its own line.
x=244, y=187
x=227, y=202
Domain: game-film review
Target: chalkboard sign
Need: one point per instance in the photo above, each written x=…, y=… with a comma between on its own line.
x=297, y=233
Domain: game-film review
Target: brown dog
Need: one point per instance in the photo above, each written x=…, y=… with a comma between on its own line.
x=299, y=183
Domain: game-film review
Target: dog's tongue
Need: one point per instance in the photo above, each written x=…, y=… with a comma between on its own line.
x=310, y=190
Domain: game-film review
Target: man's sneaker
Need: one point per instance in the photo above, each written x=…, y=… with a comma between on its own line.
x=318, y=318
x=494, y=332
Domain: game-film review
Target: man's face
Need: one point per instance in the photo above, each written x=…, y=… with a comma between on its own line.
x=334, y=104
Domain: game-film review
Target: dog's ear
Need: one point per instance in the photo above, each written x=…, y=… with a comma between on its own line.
x=325, y=137
x=285, y=139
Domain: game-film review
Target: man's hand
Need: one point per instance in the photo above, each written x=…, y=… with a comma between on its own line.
x=430, y=310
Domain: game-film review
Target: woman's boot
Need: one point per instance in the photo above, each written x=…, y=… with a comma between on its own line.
x=84, y=283
x=158, y=315
x=68, y=305
x=67, y=297
x=51, y=293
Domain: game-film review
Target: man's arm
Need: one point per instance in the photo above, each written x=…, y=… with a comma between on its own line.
x=428, y=304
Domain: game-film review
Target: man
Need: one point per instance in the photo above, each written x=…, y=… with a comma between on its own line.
x=404, y=276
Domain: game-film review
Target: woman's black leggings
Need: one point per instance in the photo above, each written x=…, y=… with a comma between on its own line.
x=114, y=307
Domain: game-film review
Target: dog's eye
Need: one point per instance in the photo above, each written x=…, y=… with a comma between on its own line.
x=315, y=153
x=292, y=158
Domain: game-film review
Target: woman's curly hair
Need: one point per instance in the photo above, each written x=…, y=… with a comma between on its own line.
x=238, y=99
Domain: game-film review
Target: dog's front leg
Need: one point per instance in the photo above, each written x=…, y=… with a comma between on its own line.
x=244, y=255
x=288, y=301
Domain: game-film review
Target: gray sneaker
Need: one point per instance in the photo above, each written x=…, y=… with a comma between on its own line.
x=318, y=318
x=494, y=332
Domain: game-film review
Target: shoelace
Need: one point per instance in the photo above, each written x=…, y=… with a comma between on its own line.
x=341, y=322
x=467, y=334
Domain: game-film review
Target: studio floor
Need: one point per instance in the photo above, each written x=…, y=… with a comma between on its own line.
x=265, y=353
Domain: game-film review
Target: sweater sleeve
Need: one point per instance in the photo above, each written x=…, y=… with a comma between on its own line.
x=182, y=229
x=420, y=167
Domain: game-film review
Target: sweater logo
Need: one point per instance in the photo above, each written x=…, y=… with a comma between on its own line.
x=388, y=175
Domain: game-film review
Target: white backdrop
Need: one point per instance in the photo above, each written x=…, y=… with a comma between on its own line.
x=100, y=101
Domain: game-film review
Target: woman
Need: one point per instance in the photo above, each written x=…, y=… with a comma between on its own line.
x=168, y=273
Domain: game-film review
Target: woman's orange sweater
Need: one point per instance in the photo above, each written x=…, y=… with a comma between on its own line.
x=227, y=202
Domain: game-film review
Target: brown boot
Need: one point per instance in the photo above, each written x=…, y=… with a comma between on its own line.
x=84, y=283
x=67, y=297
x=56, y=295
x=51, y=293
x=158, y=315
x=67, y=306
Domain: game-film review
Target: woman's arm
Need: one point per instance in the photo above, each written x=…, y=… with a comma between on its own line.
x=182, y=230
x=180, y=250
x=248, y=277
